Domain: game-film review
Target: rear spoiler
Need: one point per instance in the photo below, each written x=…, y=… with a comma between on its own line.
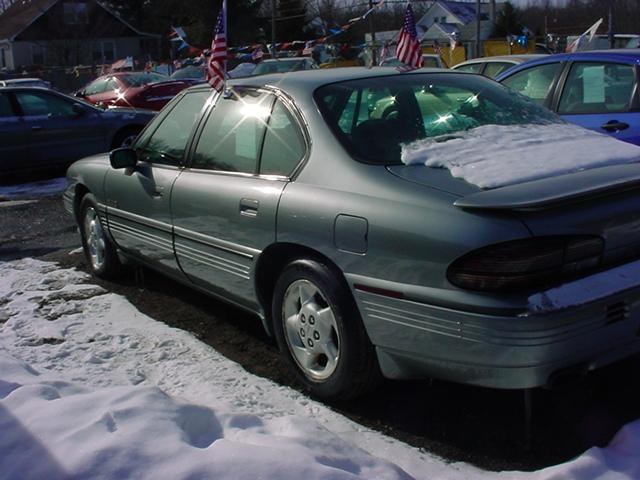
x=550, y=192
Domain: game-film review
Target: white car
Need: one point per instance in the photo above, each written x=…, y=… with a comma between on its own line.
x=25, y=82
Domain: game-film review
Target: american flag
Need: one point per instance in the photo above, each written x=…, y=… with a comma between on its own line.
x=216, y=65
x=408, y=50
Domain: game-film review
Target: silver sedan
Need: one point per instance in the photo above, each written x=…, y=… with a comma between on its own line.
x=291, y=197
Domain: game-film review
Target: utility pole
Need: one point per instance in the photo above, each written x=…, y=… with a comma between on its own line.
x=610, y=32
x=373, y=36
x=273, y=26
x=478, y=15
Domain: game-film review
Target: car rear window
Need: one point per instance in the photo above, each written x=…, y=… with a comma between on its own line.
x=374, y=117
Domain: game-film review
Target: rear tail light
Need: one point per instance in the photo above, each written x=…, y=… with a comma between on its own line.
x=528, y=263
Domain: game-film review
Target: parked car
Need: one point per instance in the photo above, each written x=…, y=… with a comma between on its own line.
x=287, y=196
x=132, y=89
x=428, y=61
x=191, y=73
x=42, y=129
x=25, y=82
x=283, y=65
x=493, y=66
x=597, y=89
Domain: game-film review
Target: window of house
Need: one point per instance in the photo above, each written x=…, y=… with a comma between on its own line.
x=38, y=53
x=75, y=13
x=3, y=60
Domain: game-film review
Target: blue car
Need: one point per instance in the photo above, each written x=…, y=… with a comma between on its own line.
x=597, y=90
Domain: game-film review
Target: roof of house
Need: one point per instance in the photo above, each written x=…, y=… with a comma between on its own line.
x=464, y=11
x=21, y=14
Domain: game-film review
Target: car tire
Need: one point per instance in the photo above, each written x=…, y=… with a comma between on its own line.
x=125, y=138
x=100, y=253
x=320, y=333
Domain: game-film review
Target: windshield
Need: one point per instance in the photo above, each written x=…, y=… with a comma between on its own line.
x=278, y=66
x=188, y=72
x=374, y=117
x=140, y=79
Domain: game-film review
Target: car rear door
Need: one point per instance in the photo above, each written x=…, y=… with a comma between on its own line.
x=57, y=133
x=225, y=203
x=138, y=200
x=13, y=137
x=602, y=96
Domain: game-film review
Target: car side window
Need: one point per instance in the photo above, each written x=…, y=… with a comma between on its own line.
x=6, y=110
x=597, y=88
x=534, y=82
x=232, y=136
x=283, y=145
x=167, y=143
x=493, y=69
x=44, y=104
x=111, y=84
x=472, y=68
x=96, y=87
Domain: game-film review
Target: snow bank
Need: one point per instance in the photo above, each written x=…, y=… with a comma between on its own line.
x=493, y=156
x=91, y=388
x=33, y=189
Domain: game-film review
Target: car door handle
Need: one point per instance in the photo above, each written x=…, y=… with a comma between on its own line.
x=614, y=126
x=249, y=207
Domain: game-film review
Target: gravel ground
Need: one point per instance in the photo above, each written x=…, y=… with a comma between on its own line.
x=482, y=426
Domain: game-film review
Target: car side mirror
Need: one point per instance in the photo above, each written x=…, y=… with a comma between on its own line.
x=123, y=158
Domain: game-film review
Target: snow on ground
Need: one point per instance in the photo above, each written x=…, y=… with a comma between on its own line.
x=493, y=156
x=33, y=189
x=92, y=388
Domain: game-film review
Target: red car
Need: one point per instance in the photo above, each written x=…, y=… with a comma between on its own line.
x=132, y=89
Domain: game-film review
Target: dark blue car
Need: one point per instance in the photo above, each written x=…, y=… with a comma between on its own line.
x=41, y=129
x=597, y=90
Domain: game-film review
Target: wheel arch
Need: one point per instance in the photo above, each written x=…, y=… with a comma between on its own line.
x=80, y=191
x=272, y=262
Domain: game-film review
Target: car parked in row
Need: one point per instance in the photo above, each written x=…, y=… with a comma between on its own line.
x=597, y=90
x=289, y=196
x=25, y=82
x=42, y=129
x=428, y=61
x=284, y=65
x=146, y=90
x=493, y=66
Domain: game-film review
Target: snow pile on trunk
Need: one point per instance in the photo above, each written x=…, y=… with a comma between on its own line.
x=91, y=388
x=588, y=289
x=493, y=156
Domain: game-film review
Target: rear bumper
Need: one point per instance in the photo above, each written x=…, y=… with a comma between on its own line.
x=415, y=340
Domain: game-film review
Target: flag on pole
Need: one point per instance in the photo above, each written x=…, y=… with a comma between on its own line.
x=578, y=42
x=408, y=50
x=216, y=65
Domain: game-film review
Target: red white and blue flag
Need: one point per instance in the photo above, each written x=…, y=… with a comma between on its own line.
x=216, y=65
x=408, y=50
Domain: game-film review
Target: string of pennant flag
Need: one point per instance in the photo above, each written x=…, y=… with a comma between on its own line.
x=177, y=34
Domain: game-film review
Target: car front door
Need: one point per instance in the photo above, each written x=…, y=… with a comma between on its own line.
x=13, y=137
x=602, y=96
x=225, y=203
x=536, y=82
x=58, y=132
x=138, y=199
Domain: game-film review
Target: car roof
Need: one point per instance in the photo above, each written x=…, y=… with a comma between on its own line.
x=21, y=80
x=284, y=59
x=312, y=79
x=504, y=58
x=22, y=88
